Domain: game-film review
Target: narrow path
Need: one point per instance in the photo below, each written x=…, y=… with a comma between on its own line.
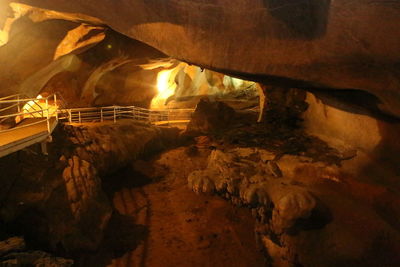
x=178, y=227
x=32, y=131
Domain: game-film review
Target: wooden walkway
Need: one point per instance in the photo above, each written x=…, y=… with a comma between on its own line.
x=22, y=137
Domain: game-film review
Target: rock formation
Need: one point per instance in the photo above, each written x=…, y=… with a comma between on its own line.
x=295, y=201
x=13, y=253
x=307, y=44
x=210, y=116
x=59, y=202
x=70, y=58
x=326, y=68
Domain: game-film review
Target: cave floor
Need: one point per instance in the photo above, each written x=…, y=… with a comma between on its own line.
x=158, y=221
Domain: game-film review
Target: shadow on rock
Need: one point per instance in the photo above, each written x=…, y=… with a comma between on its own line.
x=124, y=178
x=121, y=236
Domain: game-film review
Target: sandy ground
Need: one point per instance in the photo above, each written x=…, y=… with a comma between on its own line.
x=158, y=221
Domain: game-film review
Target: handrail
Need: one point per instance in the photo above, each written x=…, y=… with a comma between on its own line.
x=10, y=96
x=79, y=115
x=23, y=113
x=9, y=107
x=34, y=102
x=23, y=99
x=46, y=113
x=23, y=126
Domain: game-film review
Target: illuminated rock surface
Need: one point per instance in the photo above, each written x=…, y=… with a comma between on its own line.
x=326, y=201
x=320, y=44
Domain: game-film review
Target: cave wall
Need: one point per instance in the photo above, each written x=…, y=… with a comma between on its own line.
x=72, y=59
x=321, y=44
x=373, y=138
x=127, y=85
x=31, y=49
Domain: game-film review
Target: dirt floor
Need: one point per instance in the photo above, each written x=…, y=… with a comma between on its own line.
x=158, y=221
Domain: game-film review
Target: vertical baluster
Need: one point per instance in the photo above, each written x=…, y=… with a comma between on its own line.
x=48, y=115
x=56, y=106
x=19, y=107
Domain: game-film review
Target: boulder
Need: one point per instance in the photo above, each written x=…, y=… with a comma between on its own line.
x=210, y=117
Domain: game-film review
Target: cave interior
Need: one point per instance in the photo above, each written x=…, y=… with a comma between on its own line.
x=199, y=133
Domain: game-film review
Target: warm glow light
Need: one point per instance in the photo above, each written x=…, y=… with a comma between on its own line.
x=163, y=81
x=39, y=108
x=183, y=80
x=30, y=107
x=166, y=87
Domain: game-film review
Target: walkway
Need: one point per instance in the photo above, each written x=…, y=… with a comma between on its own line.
x=34, y=119
x=114, y=113
x=21, y=137
x=39, y=116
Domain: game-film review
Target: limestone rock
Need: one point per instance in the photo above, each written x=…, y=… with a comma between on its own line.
x=254, y=183
x=255, y=195
x=35, y=258
x=13, y=253
x=210, y=117
x=12, y=244
x=200, y=183
x=328, y=44
x=58, y=200
x=294, y=206
x=273, y=169
x=82, y=184
x=305, y=215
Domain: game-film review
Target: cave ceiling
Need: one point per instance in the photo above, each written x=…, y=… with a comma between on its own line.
x=320, y=44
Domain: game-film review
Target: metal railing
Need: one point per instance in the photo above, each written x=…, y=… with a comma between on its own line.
x=114, y=113
x=18, y=108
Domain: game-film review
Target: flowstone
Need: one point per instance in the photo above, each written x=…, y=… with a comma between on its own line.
x=308, y=209
x=251, y=177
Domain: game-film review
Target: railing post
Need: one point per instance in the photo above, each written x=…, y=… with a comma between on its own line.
x=115, y=115
x=19, y=108
x=48, y=115
x=70, y=115
x=47, y=104
x=101, y=114
x=56, y=106
x=79, y=115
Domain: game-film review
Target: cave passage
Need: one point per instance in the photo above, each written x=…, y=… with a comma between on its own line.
x=199, y=133
x=159, y=222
